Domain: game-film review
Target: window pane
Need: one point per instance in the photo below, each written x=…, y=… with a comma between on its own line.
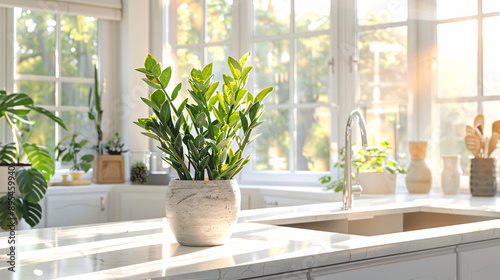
x=457, y=66
x=372, y=12
x=189, y=22
x=43, y=132
x=218, y=55
x=382, y=67
x=271, y=17
x=184, y=61
x=35, y=42
x=43, y=93
x=272, y=148
x=455, y=8
x=313, y=139
x=79, y=123
x=312, y=15
x=219, y=20
x=491, y=6
x=453, y=117
x=272, y=68
x=491, y=56
x=75, y=94
x=387, y=123
x=78, y=46
x=313, y=54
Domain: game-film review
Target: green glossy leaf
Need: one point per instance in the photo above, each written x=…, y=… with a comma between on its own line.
x=223, y=143
x=263, y=93
x=243, y=59
x=151, y=135
x=151, y=84
x=150, y=104
x=32, y=213
x=149, y=62
x=156, y=70
x=207, y=71
x=194, y=150
x=5, y=212
x=142, y=70
x=200, y=119
x=235, y=68
x=233, y=119
x=165, y=76
x=40, y=159
x=31, y=184
x=158, y=97
x=175, y=92
x=87, y=158
x=212, y=101
x=211, y=90
x=199, y=141
x=178, y=144
x=7, y=153
x=49, y=115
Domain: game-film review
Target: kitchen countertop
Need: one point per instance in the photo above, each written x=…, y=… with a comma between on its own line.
x=147, y=249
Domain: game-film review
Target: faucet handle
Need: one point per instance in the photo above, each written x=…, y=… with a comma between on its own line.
x=357, y=190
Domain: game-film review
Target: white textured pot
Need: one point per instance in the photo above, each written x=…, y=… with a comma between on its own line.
x=202, y=213
x=377, y=182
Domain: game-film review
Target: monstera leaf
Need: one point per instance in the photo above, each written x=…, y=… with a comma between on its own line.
x=8, y=153
x=31, y=183
x=32, y=213
x=40, y=159
x=6, y=215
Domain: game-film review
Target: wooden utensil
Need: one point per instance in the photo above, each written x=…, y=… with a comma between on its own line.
x=473, y=143
x=479, y=123
x=492, y=145
x=495, y=127
x=485, y=143
x=470, y=130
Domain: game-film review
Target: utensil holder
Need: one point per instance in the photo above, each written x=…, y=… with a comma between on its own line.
x=483, y=179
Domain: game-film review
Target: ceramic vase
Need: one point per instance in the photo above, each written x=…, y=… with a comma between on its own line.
x=377, y=182
x=418, y=175
x=483, y=179
x=450, y=176
x=202, y=213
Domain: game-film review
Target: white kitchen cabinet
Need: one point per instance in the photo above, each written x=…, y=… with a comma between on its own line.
x=427, y=265
x=76, y=206
x=479, y=260
x=138, y=202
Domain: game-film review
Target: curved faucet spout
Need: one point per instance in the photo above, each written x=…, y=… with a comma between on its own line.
x=348, y=153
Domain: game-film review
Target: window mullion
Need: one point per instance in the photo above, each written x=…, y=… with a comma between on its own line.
x=480, y=87
x=58, y=85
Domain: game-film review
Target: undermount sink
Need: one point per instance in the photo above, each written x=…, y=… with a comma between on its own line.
x=390, y=223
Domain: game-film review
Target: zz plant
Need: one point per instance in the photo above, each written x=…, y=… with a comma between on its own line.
x=203, y=137
x=31, y=183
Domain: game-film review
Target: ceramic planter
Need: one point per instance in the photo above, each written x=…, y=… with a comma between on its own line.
x=202, y=213
x=109, y=169
x=483, y=179
x=76, y=175
x=377, y=182
x=419, y=175
x=4, y=176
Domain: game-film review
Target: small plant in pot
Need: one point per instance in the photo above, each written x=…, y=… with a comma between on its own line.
x=69, y=151
x=377, y=172
x=204, y=140
x=25, y=168
x=139, y=173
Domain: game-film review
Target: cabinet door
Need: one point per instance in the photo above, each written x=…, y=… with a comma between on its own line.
x=142, y=205
x=479, y=260
x=76, y=209
x=429, y=265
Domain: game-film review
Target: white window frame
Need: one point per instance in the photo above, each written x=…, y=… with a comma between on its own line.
x=341, y=33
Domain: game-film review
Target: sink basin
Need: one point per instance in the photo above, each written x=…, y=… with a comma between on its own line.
x=390, y=223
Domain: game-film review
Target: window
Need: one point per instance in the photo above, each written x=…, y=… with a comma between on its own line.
x=54, y=56
x=468, y=77
x=383, y=91
x=292, y=44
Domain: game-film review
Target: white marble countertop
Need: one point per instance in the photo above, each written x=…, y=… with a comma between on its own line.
x=146, y=249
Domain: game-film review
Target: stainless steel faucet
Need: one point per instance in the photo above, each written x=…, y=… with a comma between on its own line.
x=348, y=188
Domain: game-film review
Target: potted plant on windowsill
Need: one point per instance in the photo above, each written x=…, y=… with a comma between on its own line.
x=27, y=165
x=70, y=152
x=377, y=173
x=204, y=143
